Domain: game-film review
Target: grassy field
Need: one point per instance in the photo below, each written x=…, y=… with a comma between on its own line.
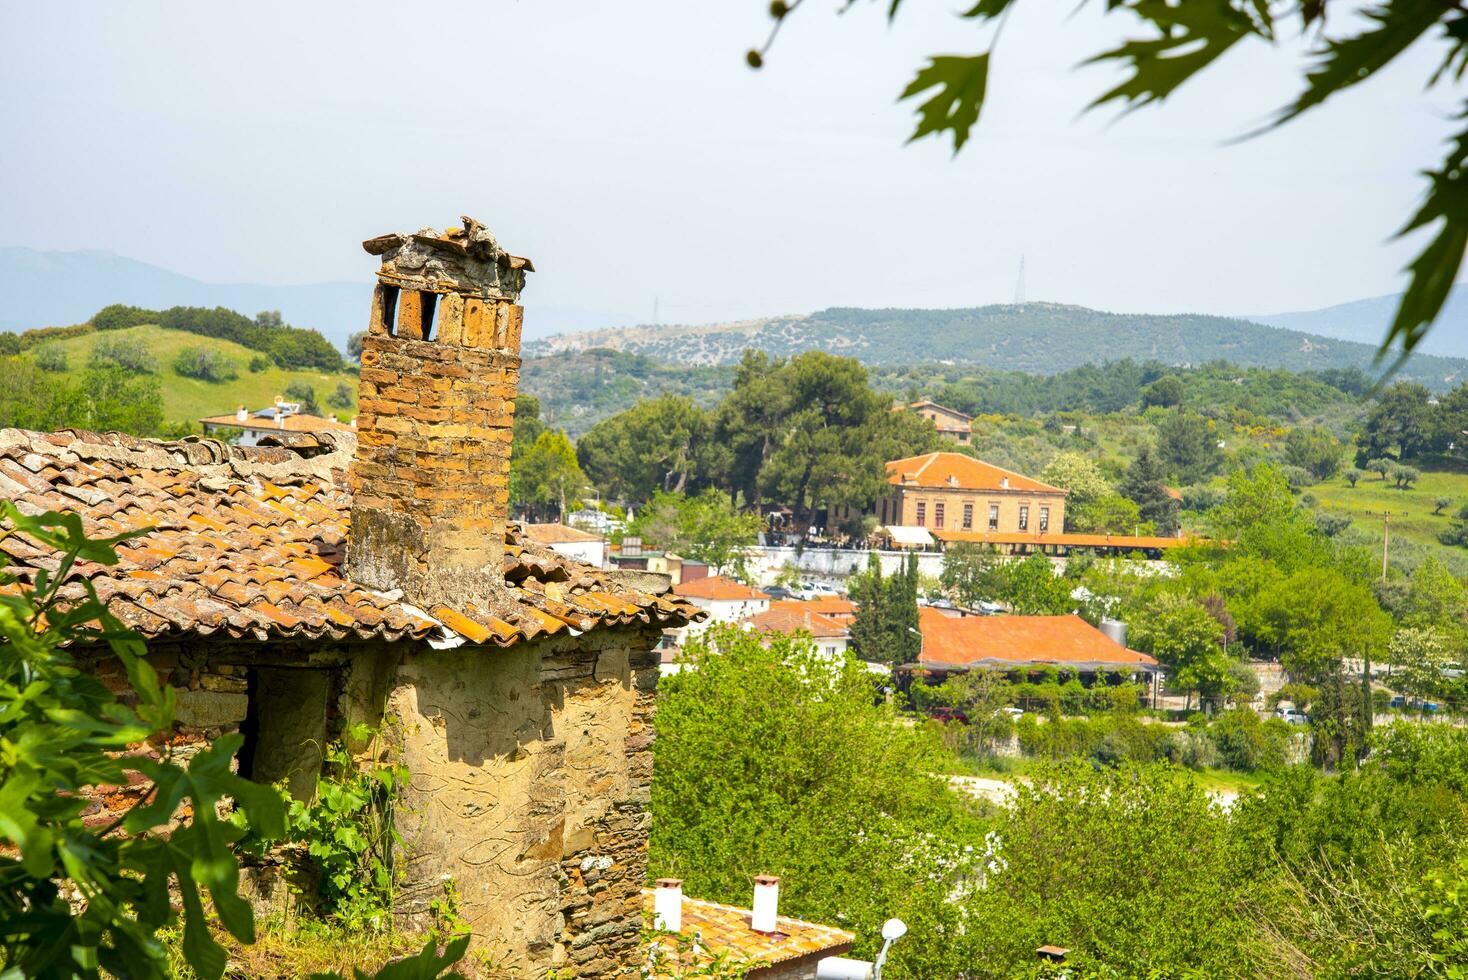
x=1412, y=516
x=189, y=399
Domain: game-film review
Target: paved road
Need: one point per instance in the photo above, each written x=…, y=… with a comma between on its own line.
x=1002, y=790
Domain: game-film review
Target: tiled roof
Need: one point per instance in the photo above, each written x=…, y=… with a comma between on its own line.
x=718, y=588
x=835, y=606
x=248, y=542
x=1010, y=641
x=959, y=471
x=557, y=533
x=724, y=929
x=292, y=423
x=1068, y=540
x=779, y=618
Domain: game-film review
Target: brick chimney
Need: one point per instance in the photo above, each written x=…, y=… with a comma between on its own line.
x=436, y=404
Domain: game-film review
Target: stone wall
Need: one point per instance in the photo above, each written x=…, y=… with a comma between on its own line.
x=531, y=769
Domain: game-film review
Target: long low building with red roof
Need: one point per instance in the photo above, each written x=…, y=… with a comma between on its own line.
x=1063, y=543
x=954, y=643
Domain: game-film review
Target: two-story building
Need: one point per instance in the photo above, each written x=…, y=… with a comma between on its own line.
x=950, y=423
x=955, y=492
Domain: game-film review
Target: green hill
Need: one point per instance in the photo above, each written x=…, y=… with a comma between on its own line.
x=1040, y=338
x=189, y=399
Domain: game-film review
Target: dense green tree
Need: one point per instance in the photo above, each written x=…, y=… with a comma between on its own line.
x=1418, y=657
x=354, y=345
x=51, y=357
x=206, y=364
x=547, y=475
x=124, y=352
x=704, y=527
x=1165, y=392
x=9, y=344
x=1314, y=449
x=1187, y=640
x=1187, y=444
x=653, y=446
x=970, y=572
x=1145, y=484
x=303, y=394
x=1091, y=505
x=527, y=427
x=1400, y=424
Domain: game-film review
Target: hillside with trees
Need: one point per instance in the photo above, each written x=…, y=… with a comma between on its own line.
x=1039, y=338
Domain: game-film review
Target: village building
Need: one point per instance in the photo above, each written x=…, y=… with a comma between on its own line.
x=953, y=643
x=947, y=491
x=722, y=599
x=1062, y=544
x=570, y=541
x=632, y=555
x=247, y=428
x=794, y=618
x=696, y=932
x=292, y=590
x=950, y=423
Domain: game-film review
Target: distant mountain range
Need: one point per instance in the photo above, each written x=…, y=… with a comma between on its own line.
x=47, y=289
x=44, y=288
x=1041, y=338
x=1366, y=320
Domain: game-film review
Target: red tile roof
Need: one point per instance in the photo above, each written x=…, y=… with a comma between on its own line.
x=293, y=423
x=1068, y=540
x=248, y=542
x=725, y=930
x=718, y=588
x=779, y=618
x=1012, y=641
x=835, y=606
x=959, y=471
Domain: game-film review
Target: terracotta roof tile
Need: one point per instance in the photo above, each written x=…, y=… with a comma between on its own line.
x=793, y=621
x=725, y=929
x=1007, y=641
x=944, y=470
x=719, y=588
x=250, y=541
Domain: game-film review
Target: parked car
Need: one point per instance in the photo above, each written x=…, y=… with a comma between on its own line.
x=1011, y=711
x=1397, y=702
x=776, y=591
x=1292, y=716
x=946, y=714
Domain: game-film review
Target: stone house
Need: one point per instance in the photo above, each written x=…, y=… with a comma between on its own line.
x=950, y=423
x=954, y=491
x=292, y=590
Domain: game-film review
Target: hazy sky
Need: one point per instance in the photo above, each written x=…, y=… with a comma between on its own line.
x=627, y=149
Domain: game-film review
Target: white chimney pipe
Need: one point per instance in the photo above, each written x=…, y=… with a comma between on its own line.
x=1004, y=482
x=766, y=903
x=242, y=414
x=667, y=905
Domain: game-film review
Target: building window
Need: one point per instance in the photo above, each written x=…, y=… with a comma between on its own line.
x=968, y=517
x=993, y=517
x=922, y=514
x=1044, y=519
x=938, y=514
x=1024, y=517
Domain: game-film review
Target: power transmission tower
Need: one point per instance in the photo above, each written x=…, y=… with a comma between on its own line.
x=1019, y=286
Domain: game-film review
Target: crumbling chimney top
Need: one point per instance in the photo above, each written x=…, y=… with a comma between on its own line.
x=466, y=260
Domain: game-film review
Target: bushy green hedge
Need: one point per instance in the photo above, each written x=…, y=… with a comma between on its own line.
x=1237, y=739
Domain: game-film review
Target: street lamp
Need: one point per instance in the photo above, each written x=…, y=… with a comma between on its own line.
x=841, y=968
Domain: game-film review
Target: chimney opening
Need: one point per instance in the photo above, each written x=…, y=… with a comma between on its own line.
x=389, y=310
x=430, y=303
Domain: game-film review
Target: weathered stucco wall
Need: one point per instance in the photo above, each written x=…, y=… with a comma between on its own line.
x=530, y=775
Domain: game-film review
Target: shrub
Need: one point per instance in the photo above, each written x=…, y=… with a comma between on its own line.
x=299, y=391
x=51, y=357
x=341, y=397
x=9, y=344
x=259, y=363
x=1353, y=475
x=205, y=364
x=119, y=317
x=125, y=352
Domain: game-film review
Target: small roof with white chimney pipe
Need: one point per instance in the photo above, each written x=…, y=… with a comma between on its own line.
x=754, y=936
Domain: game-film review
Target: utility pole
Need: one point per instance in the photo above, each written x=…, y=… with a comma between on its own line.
x=1386, y=537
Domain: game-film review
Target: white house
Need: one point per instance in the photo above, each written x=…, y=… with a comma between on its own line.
x=571, y=542
x=830, y=636
x=725, y=601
